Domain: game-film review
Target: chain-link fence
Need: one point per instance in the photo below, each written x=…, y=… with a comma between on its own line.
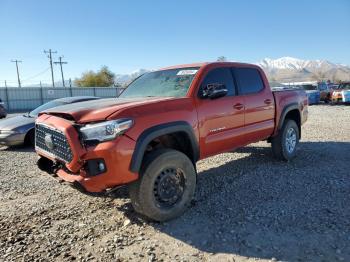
x=28, y=98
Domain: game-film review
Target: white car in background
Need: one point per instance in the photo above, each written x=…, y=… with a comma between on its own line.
x=19, y=130
x=342, y=93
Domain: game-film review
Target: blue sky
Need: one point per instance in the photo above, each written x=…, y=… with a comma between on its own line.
x=128, y=35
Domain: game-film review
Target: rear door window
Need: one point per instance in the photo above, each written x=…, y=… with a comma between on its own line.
x=220, y=76
x=249, y=80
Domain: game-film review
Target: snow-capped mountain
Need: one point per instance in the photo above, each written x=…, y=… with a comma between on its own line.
x=284, y=69
x=294, y=69
x=282, y=63
x=127, y=78
x=292, y=63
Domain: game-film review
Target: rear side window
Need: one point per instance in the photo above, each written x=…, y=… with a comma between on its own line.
x=220, y=76
x=249, y=80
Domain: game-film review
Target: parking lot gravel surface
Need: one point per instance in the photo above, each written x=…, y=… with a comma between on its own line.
x=248, y=207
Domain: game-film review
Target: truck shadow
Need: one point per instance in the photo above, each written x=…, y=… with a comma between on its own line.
x=21, y=148
x=258, y=207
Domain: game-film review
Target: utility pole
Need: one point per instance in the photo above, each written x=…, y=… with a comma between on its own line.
x=61, y=62
x=50, y=52
x=70, y=83
x=17, y=61
x=5, y=84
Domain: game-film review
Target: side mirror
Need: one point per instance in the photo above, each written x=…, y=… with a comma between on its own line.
x=213, y=91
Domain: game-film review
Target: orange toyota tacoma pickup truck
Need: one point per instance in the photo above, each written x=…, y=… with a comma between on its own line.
x=152, y=135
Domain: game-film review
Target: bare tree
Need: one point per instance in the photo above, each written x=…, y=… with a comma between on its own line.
x=319, y=75
x=272, y=79
x=221, y=59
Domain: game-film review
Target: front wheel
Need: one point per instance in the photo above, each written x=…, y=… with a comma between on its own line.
x=166, y=185
x=30, y=138
x=284, y=145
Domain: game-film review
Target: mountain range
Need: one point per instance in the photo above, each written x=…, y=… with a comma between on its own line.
x=289, y=69
x=127, y=78
x=284, y=69
x=281, y=70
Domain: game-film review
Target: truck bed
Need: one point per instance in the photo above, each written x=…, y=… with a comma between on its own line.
x=289, y=98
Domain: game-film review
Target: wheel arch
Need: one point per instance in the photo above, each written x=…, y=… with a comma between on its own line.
x=178, y=129
x=29, y=132
x=292, y=112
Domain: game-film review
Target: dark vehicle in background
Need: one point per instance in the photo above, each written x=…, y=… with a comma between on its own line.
x=325, y=92
x=3, y=112
x=344, y=86
x=18, y=130
x=333, y=86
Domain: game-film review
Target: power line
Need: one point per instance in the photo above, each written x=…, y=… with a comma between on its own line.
x=50, y=52
x=30, y=78
x=36, y=75
x=60, y=62
x=17, y=61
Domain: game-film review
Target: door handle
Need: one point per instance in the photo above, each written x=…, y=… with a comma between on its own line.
x=267, y=101
x=238, y=106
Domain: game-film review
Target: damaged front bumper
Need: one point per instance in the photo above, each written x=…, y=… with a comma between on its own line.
x=94, y=168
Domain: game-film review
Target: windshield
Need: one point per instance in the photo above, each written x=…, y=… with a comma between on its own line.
x=171, y=82
x=322, y=86
x=43, y=107
x=309, y=87
x=344, y=86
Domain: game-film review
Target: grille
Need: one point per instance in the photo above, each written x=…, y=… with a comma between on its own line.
x=53, y=142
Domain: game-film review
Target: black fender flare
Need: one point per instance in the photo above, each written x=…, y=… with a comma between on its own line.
x=153, y=132
x=285, y=111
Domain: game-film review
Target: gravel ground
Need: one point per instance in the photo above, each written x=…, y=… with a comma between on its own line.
x=248, y=206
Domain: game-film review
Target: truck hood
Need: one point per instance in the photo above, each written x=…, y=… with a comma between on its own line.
x=101, y=109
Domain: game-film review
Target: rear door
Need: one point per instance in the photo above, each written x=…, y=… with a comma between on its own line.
x=221, y=120
x=259, y=104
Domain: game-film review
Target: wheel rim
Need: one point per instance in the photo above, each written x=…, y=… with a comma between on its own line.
x=169, y=187
x=291, y=140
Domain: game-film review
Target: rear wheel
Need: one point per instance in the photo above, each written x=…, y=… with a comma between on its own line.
x=284, y=145
x=166, y=185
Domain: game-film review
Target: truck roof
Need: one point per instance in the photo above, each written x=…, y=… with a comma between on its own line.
x=200, y=64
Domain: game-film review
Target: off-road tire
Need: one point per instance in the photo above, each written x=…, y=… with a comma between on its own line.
x=142, y=191
x=279, y=145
